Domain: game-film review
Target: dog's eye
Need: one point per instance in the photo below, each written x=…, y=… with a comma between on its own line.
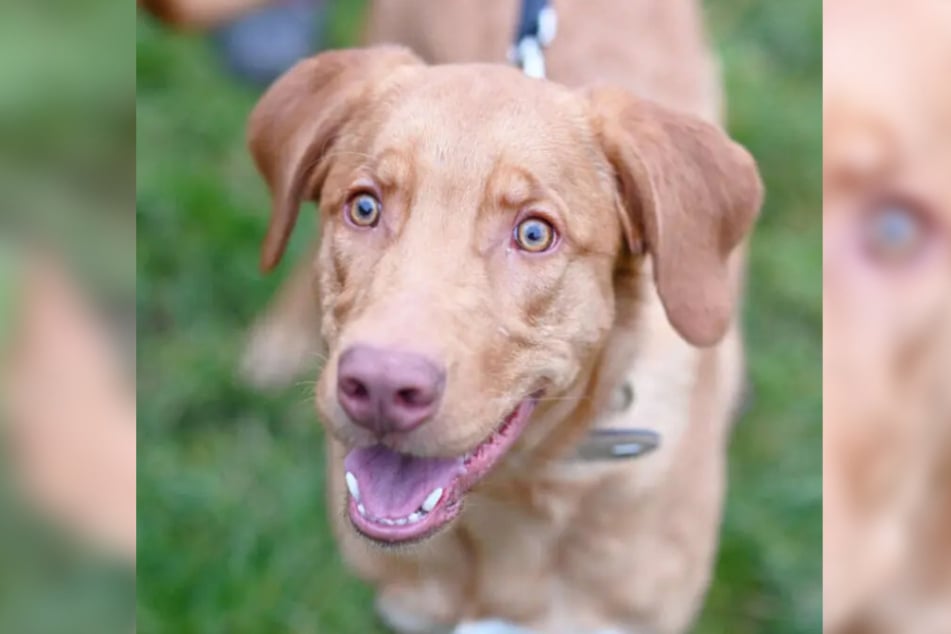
x=534, y=235
x=895, y=231
x=364, y=210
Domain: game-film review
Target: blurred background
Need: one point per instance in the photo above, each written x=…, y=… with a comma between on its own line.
x=233, y=533
x=67, y=301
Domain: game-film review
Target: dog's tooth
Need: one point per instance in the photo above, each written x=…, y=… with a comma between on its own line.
x=387, y=521
x=432, y=500
x=401, y=521
x=353, y=486
x=361, y=509
x=415, y=517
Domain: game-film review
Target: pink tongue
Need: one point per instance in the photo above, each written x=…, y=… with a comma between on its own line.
x=394, y=485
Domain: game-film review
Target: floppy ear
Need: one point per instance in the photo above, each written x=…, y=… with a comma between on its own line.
x=297, y=121
x=691, y=194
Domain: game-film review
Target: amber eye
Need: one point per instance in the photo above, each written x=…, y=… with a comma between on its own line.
x=895, y=231
x=534, y=235
x=364, y=210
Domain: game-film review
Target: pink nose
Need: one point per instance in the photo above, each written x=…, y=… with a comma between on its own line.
x=387, y=390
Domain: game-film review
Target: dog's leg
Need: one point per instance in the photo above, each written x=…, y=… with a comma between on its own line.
x=285, y=341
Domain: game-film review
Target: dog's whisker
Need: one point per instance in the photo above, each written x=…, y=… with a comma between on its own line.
x=565, y=398
x=305, y=390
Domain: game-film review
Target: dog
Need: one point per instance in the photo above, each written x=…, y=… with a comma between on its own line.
x=886, y=314
x=198, y=14
x=505, y=265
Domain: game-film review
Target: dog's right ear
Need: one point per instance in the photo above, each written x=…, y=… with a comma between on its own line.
x=295, y=123
x=690, y=195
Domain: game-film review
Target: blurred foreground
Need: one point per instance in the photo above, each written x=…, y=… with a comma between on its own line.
x=67, y=409
x=887, y=317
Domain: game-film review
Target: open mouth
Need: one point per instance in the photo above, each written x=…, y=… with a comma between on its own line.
x=398, y=498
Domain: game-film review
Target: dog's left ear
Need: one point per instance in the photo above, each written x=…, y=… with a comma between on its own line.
x=690, y=194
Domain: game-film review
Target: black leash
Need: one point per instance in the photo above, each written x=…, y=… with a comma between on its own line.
x=536, y=30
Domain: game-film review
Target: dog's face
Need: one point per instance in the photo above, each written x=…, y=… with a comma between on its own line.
x=475, y=227
x=887, y=282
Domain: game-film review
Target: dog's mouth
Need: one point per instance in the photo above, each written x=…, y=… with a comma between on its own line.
x=399, y=498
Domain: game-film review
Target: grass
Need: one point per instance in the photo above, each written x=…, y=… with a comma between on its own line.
x=67, y=114
x=233, y=534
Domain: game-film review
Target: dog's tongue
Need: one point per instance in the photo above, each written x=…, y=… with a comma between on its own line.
x=394, y=485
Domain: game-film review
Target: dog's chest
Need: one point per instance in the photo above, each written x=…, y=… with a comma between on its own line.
x=533, y=545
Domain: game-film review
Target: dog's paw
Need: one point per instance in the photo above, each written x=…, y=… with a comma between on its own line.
x=402, y=619
x=504, y=627
x=490, y=627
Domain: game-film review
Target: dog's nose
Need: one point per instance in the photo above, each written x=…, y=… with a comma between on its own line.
x=388, y=390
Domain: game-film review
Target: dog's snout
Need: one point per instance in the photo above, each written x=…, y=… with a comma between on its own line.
x=388, y=390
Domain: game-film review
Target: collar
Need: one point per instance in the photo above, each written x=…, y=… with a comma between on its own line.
x=618, y=443
x=536, y=30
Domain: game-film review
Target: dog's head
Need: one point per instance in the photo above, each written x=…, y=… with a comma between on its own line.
x=474, y=223
x=887, y=284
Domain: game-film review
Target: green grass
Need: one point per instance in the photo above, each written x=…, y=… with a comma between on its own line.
x=233, y=534
x=67, y=113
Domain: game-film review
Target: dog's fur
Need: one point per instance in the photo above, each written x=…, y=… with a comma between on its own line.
x=198, y=14
x=71, y=448
x=653, y=203
x=887, y=325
